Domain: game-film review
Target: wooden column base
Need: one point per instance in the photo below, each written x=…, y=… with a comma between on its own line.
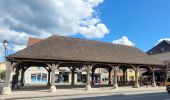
x=53, y=88
x=88, y=87
x=6, y=90
x=115, y=86
x=153, y=84
x=136, y=85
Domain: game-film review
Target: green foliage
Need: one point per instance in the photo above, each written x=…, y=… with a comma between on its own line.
x=3, y=74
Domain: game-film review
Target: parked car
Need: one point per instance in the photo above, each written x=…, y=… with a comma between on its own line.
x=168, y=85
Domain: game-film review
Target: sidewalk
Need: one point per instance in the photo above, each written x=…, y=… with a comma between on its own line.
x=21, y=94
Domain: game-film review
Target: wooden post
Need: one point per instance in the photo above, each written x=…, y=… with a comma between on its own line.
x=88, y=85
x=136, y=77
x=7, y=87
x=124, y=75
x=22, y=76
x=49, y=75
x=115, y=85
x=72, y=76
x=54, y=67
x=110, y=76
x=93, y=71
x=153, y=78
x=17, y=75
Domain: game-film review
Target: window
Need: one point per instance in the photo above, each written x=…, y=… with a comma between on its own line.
x=62, y=77
x=162, y=49
x=150, y=52
x=44, y=77
x=33, y=77
x=39, y=78
x=79, y=77
x=104, y=70
x=39, y=67
x=65, y=77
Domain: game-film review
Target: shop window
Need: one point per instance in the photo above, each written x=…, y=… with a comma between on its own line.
x=39, y=78
x=44, y=77
x=62, y=77
x=105, y=70
x=79, y=77
x=33, y=77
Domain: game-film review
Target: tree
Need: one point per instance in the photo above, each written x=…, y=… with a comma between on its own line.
x=3, y=74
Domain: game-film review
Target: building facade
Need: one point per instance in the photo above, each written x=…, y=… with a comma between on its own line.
x=161, y=52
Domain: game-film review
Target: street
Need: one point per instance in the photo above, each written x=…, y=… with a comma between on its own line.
x=109, y=96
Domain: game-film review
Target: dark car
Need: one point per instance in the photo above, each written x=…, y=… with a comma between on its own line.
x=168, y=85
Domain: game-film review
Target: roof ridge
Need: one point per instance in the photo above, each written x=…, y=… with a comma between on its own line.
x=92, y=40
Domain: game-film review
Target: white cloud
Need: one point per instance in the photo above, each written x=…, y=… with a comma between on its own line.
x=94, y=31
x=63, y=17
x=18, y=47
x=124, y=41
x=160, y=40
x=1, y=51
x=20, y=19
x=16, y=39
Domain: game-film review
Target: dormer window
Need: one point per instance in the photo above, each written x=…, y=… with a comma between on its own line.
x=150, y=52
x=162, y=49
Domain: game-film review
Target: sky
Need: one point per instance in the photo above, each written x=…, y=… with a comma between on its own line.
x=138, y=23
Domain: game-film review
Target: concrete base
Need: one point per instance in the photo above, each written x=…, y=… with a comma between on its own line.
x=136, y=86
x=53, y=88
x=154, y=85
x=88, y=87
x=6, y=90
x=115, y=86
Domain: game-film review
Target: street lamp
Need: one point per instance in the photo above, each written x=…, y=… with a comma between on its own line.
x=5, y=43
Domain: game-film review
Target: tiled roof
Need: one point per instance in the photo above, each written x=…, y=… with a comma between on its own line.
x=162, y=56
x=32, y=41
x=73, y=49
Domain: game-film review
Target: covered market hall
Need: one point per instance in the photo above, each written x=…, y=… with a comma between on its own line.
x=60, y=51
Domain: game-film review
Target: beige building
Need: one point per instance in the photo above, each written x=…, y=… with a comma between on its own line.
x=2, y=69
x=2, y=66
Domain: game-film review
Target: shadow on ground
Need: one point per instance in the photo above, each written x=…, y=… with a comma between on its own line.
x=146, y=96
x=44, y=87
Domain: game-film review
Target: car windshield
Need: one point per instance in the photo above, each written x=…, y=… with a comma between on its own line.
x=168, y=80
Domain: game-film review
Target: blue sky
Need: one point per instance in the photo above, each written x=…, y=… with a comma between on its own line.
x=140, y=23
x=144, y=22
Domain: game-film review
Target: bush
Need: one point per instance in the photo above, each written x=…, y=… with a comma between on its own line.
x=3, y=74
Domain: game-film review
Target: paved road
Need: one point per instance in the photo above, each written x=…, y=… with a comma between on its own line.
x=110, y=96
